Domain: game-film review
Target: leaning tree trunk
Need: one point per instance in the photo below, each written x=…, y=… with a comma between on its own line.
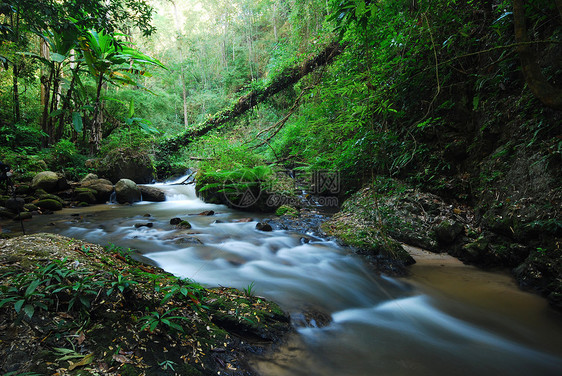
x=549, y=95
x=285, y=79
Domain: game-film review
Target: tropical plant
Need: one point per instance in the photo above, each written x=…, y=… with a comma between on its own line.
x=157, y=319
x=107, y=57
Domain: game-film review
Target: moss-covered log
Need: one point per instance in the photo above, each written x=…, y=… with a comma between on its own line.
x=285, y=79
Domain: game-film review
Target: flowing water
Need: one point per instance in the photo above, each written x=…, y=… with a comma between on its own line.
x=446, y=318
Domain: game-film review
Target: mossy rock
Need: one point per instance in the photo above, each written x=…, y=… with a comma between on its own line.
x=48, y=196
x=184, y=225
x=49, y=181
x=23, y=189
x=287, y=210
x=49, y=204
x=30, y=207
x=85, y=195
x=22, y=216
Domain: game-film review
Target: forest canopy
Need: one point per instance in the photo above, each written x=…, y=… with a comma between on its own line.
x=85, y=77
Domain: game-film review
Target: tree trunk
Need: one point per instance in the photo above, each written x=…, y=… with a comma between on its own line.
x=95, y=133
x=17, y=107
x=285, y=79
x=45, y=85
x=54, y=103
x=66, y=101
x=549, y=95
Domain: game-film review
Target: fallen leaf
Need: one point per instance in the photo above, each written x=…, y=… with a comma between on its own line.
x=81, y=338
x=85, y=361
x=121, y=359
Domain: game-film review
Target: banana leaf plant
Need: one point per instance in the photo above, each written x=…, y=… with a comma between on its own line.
x=111, y=60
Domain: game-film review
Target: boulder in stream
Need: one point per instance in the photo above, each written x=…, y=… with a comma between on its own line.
x=49, y=204
x=175, y=221
x=49, y=181
x=152, y=194
x=102, y=187
x=262, y=226
x=127, y=191
x=127, y=163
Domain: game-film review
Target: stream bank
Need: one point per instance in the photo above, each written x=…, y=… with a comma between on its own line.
x=379, y=218
x=70, y=307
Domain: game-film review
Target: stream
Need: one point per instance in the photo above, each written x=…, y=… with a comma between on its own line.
x=446, y=318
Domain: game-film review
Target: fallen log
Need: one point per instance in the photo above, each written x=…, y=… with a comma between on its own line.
x=285, y=79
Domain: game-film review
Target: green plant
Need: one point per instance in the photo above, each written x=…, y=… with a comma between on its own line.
x=121, y=284
x=287, y=210
x=81, y=290
x=26, y=297
x=167, y=364
x=156, y=319
x=250, y=290
x=187, y=289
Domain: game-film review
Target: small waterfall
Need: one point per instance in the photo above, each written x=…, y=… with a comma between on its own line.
x=113, y=197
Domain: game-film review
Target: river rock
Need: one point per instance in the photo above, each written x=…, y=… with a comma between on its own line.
x=49, y=181
x=86, y=195
x=127, y=190
x=102, y=187
x=89, y=177
x=261, y=226
x=152, y=194
x=184, y=225
x=447, y=231
x=30, y=207
x=148, y=224
x=47, y=196
x=207, y=213
x=23, y=216
x=23, y=189
x=125, y=163
x=175, y=221
x=49, y=204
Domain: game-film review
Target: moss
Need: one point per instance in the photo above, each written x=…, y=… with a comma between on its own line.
x=287, y=210
x=49, y=204
x=184, y=224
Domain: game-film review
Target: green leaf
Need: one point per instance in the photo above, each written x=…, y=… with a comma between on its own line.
x=153, y=326
x=18, y=305
x=131, y=108
x=57, y=57
x=475, y=102
x=77, y=122
x=32, y=287
x=29, y=310
x=85, y=302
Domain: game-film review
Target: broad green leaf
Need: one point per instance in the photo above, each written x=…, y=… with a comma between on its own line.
x=32, y=287
x=29, y=310
x=131, y=107
x=18, y=305
x=57, y=57
x=77, y=122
